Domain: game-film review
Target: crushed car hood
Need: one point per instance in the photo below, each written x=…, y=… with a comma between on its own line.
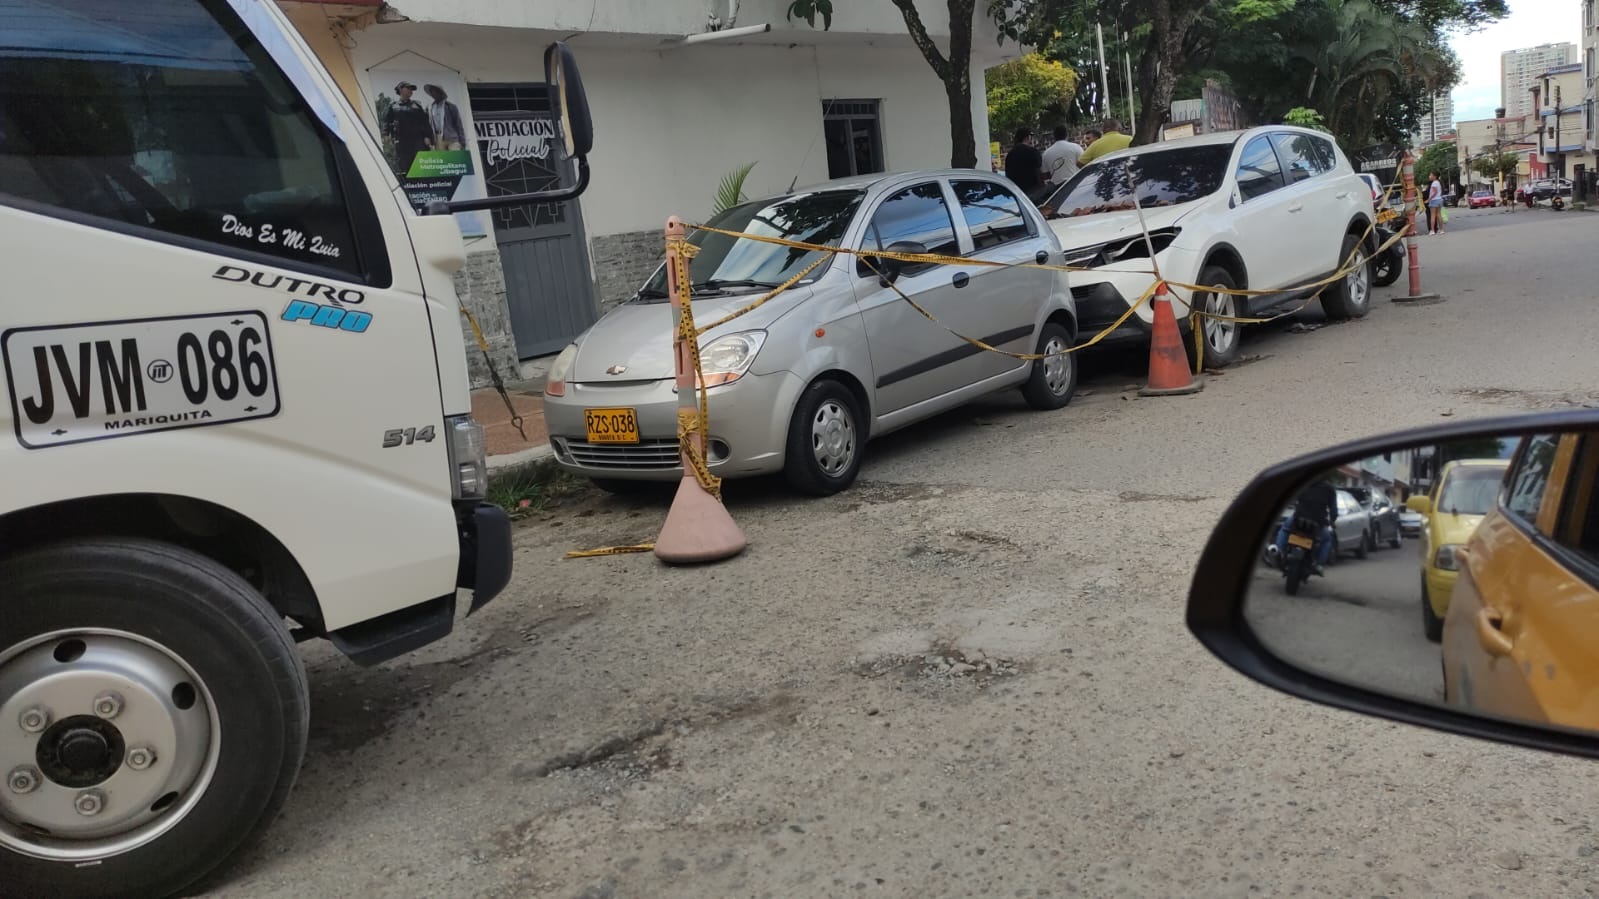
x=1102, y=227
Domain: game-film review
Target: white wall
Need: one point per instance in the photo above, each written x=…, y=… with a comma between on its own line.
x=680, y=17
x=669, y=124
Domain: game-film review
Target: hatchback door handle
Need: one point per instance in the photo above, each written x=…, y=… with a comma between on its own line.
x=962, y=279
x=1494, y=641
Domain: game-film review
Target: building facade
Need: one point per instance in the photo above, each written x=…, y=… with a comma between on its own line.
x=1559, y=97
x=1518, y=69
x=1590, y=74
x=682, y=93
x=1438, y=122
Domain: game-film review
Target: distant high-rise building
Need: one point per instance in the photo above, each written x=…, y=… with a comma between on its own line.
x=1519, y=68
x=1437, y=123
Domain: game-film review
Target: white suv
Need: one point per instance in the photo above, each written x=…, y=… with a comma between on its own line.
x=1272, y=208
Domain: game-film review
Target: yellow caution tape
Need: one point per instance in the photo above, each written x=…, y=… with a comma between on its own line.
x=610, y=551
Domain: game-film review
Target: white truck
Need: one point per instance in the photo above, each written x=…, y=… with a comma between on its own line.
x=237, y=418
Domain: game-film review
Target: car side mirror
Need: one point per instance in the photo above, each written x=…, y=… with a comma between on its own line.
x=887, y=271
x=1483, y=657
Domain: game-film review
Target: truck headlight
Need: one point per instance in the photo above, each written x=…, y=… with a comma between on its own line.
x=1444, y=559
x=469, y=464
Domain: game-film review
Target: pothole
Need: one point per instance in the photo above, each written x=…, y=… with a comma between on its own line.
x=942, y=663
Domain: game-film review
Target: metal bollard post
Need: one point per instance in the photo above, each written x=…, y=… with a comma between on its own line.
x=1411, y=250
x=698, y=527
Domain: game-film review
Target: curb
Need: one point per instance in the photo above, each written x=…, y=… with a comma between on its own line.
x=538, y=461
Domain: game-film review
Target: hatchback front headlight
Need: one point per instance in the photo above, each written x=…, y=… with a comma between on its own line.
x=726, y=359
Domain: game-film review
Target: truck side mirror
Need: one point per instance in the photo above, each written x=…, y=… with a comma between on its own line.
x=571, y=103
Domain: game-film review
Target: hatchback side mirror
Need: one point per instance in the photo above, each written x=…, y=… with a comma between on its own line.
x=1419, y=504
x=887, y=271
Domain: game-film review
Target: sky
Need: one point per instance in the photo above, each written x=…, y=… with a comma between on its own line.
x=1530, y=23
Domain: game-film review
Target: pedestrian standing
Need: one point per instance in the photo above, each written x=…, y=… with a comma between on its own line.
x=1060, y=160
x=1435, y=205
x=1112, y=140
x=1024, y=165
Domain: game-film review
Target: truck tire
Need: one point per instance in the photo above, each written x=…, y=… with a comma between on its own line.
x=153, y=718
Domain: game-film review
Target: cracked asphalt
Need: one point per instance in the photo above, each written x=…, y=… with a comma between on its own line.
x=969, y=674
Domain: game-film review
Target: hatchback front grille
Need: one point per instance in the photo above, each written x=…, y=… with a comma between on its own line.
x=660, y=454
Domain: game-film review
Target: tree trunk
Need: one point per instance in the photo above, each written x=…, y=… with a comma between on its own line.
x=1163, y=59
x=955, y=71
x=962, y=133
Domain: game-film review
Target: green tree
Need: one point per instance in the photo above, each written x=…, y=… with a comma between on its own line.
x=1443, y=158
x=1023, y=92
x=1501, y=166
x=1305, y=117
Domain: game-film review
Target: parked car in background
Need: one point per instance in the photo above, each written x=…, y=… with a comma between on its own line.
x=1482, y=198
x=1352, y=529
x=1549, y=188
x=1410, y=523
x=800, y=384
x=1464, y=493
x=1271, y=208
x=1384, y=517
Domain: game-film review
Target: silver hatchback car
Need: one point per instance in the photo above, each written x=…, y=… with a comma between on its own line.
x=801, y=383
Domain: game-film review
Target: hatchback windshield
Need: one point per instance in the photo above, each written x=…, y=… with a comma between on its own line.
x=1164, y=178
x=724, y=262
x=1471, y=491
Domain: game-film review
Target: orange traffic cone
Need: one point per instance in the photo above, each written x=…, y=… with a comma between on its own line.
x=1168, y=361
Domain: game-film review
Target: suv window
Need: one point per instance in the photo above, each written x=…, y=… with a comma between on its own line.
x=1163, y=178
x=1259, y=172
x=916, y=213
x=1525, y=487
x=1329, y=154
x=186, y=129
x=992, y=213
x=1299, y=153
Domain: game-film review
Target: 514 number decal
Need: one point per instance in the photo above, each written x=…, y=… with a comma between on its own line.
x=407, y=436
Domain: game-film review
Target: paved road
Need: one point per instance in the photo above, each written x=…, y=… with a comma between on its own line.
x=789, y=723
x=1360, y=623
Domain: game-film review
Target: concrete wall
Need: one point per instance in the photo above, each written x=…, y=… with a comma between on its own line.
x=622, y=262
x=676, y=18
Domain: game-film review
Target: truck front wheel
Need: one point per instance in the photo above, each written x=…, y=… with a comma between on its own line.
x=153, y=717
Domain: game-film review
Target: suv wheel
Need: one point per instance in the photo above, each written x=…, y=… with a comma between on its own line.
x=1222, y=338
x=1351, y=296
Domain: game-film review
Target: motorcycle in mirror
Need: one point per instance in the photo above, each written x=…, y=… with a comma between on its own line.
x=1485, y=624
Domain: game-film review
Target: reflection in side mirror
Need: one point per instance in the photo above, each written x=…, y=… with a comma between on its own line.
x=888, y=271
x=1474, y=610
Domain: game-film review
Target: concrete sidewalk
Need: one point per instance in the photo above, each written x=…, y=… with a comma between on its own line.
x=506, y=447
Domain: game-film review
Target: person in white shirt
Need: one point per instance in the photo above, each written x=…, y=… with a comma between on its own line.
x=1060, y=160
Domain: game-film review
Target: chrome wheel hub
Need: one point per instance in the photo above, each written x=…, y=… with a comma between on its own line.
x=108, y=739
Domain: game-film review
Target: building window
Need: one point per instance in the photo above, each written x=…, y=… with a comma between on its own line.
x=854, y=133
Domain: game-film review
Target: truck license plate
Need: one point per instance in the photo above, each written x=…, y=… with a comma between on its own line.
x=100, y=380
x=611, y=425
x=1300, y=540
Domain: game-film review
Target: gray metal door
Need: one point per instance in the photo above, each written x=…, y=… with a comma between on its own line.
x=542, y=248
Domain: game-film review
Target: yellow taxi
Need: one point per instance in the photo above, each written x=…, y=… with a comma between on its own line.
x=1520, y=634
x=1464, y=493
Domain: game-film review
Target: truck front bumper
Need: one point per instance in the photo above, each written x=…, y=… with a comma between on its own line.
x=485, y=567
